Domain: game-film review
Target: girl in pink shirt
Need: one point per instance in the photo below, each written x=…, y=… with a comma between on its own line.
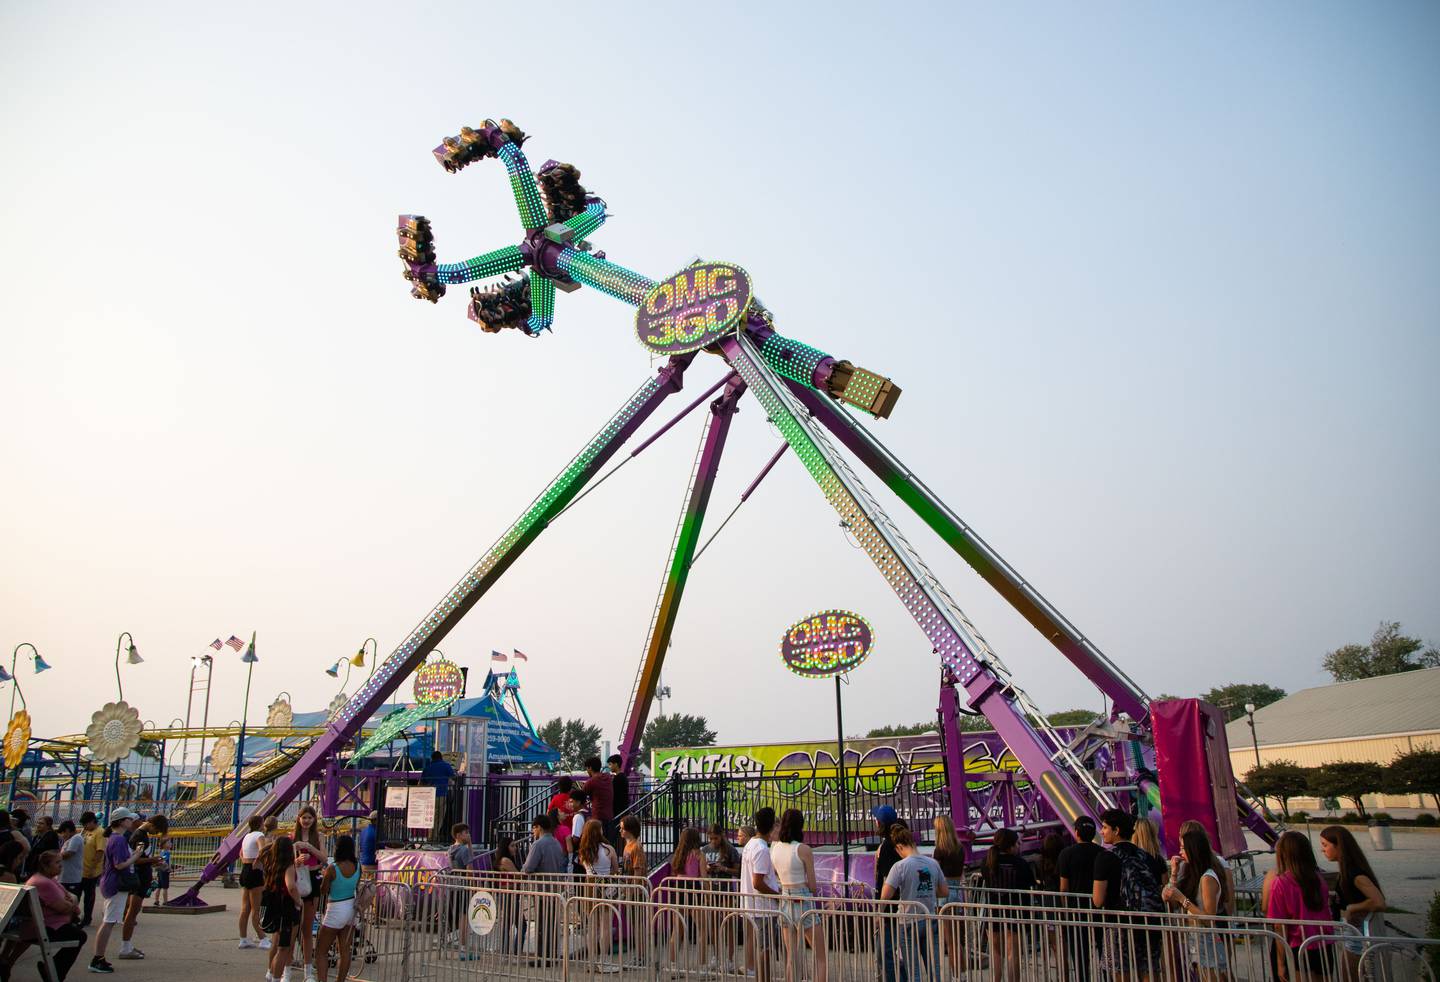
x=1295, y=891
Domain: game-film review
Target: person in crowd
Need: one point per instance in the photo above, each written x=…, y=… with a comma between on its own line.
x=20, y=822
x=370, y=843
x=272, y=829
x=563, y=786
x=1047, y=871
x=794, y=865
x=1007, y=879
x=310, y=858
x=1358, y=901
x=280, y=902
x=727, y=858
x=338, y=886
x=438, y=774
x=92, y=863
x=758, y=883
x=1075, y=867
x=545, y=856
x=14, y=850
x=162, y=874
x=1147, y=837
x=688, y=860
x=1127, y=878
x=60, y=910
x=117, y=865
x=743, y=835
x=633, y=858
x=252, y=881
x=72, y=858
x=1295, y=891
x=600, y=790
x=46, y=839
x=147, y=863
x=502, y=857
x=950, y=855
x=687, y=863
x=1197, y=888
x=619, y=793
x=571, y=824
x=917, y=879
x=461, y=853
x=885, y=858
x=597, y=858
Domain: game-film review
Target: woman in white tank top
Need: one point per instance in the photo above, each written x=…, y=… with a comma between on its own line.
x=795, y=867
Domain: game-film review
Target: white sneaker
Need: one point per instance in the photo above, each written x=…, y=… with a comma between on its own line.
x=309, y=973
x=264, y=945
x=269, y=977
x=245, y=943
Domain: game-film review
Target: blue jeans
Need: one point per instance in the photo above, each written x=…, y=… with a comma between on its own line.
x=919, y=943
x=886, y=951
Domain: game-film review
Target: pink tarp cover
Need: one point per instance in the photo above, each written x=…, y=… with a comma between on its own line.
x=1192, y=757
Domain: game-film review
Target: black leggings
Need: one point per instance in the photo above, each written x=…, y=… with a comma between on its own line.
x=65, y=957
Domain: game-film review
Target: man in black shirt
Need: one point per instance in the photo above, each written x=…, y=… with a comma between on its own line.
x=1076, y=866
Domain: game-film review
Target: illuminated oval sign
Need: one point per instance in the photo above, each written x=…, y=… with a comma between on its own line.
x=695, y=307
x=828, y=643
x=439, y=681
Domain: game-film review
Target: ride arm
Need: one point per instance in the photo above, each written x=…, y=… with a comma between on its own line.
x=989, y=689
x=413, y=650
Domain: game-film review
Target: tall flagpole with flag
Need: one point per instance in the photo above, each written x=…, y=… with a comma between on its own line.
x=250, y=659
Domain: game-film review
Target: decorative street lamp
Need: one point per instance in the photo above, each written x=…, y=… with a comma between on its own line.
x=9, y=676
x=132, y=658
x=359, y=660
x=1254, y=741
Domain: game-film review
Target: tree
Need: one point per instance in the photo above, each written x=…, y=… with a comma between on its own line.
x=676, y=730
x=1233, y=697
x=574, y=738
x=1073, y=717
x=903, y=729
x=1351, y=779
x=1388, y=652
x=1417, y=772
x=1279, y=779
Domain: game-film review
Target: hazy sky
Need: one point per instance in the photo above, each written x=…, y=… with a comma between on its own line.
x=1160, y=286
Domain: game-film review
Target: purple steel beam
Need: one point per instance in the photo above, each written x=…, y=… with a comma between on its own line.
x=412, y=652
x=687, y=536
x=1006, y=581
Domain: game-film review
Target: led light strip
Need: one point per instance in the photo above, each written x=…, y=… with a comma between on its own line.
x=605, y=276
x=542, y=303
x=522, y=185
x=506, y=260
x=585, y=223
x=791, y=359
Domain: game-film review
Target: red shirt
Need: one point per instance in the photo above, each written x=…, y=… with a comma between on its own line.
x=602, y=797
x=557, y=803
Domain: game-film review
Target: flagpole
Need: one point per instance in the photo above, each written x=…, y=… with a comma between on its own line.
x=240, y=749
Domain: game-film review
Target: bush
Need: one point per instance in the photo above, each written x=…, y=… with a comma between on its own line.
x=1379, y=816
x=1426, y=819
x=1300, y=817
x=1349, y=818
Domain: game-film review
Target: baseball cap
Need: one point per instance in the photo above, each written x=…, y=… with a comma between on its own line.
x=119, y=813
x=884, y=814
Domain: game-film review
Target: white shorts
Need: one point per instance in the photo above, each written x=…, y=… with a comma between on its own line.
x=115, y=908
x=339, y=914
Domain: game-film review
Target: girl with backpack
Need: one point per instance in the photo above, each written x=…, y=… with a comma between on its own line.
x=1127, y=878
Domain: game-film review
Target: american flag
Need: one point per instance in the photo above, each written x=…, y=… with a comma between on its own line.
x=217, y=644
x=235, y=643
x=520, y=655
x=496, y=656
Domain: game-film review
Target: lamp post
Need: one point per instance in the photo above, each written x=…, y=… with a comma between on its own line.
x=40, y=666
x=359, y=660
x=132, y=658
x=250, y=660
x=1254, y=741
x=206, y=661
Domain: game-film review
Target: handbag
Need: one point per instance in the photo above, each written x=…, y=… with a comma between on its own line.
x=303, y=884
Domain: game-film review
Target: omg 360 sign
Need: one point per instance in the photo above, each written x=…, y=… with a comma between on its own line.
x=828, y=643
x=695, y=307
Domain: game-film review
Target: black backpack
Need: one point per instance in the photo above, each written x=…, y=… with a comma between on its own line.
x=1140, y=876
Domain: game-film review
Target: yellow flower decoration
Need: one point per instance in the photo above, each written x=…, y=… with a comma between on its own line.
x=280, y=713
x=223, y=756
x=17, y=739
x=113, y=732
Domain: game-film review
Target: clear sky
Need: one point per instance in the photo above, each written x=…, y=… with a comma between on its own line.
x=1159, y=283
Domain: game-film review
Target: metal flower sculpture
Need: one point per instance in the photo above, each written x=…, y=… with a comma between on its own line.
x=340, y=701
x=17, y=739
x=280, y=713
x=114, y=731
x=222, y=755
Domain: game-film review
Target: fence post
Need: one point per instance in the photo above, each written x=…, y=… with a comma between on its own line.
x=722, y=814
x=675, y=807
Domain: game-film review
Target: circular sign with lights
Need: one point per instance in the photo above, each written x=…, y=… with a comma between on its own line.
x=695, y=307
x=829, y=643
x=439, y=681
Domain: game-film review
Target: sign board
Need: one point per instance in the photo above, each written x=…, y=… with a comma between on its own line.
x=396, y=797
x=826, y=644
x=695, y=307
x=482, y=912
x=439, y=681
x=420, y=809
